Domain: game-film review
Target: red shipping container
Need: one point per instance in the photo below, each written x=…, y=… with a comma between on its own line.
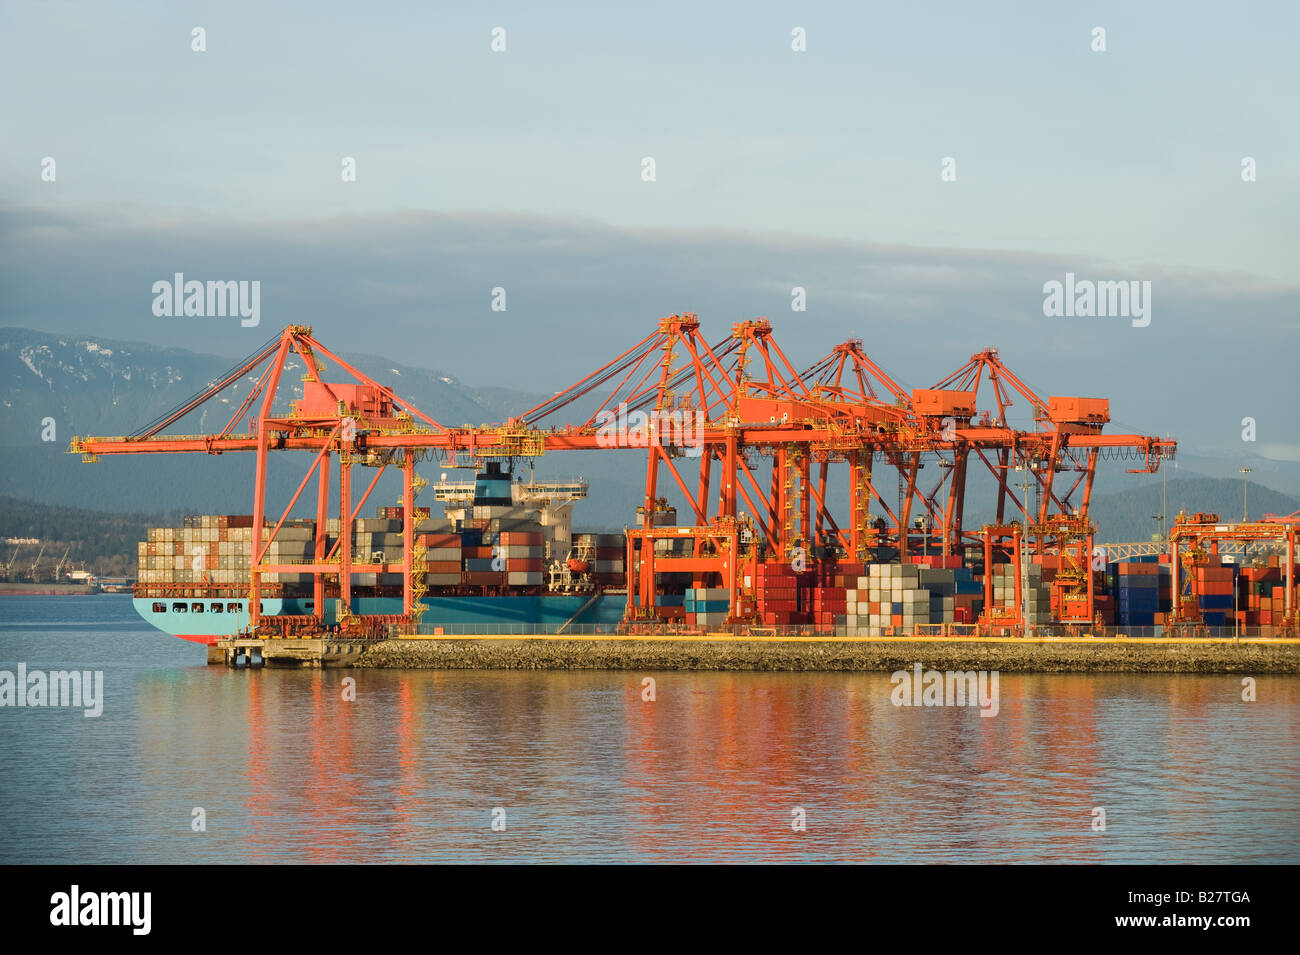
x=1133, y=569
x=1214, y=573
x=521, y=538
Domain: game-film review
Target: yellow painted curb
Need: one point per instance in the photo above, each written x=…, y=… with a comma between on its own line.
x=731, y=638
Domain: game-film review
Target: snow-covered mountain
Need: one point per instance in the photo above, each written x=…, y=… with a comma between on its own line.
x=100, y=386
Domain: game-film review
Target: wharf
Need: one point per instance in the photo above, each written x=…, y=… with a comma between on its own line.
x=282, y=652
x=781, y=653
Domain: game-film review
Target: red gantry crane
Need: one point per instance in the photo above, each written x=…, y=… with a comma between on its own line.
x=710, y=420
x=1195, y=539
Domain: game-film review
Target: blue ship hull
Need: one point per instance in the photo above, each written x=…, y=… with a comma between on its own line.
x=205, y=621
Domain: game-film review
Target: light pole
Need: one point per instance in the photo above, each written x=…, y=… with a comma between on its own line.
x=1164, y=503
x=945, y=463
x=1160, y=525
x=1235, y=626
x=1244, y=511
x=1027, y=467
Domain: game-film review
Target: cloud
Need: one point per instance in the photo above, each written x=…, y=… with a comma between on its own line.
x=418, y=286
x=1280, y=452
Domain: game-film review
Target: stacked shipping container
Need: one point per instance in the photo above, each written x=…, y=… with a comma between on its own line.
x=506, y=548
x=1141, y=589
x=909, y=596
x=706, y=606
x=1262, y=595
x=217, y=550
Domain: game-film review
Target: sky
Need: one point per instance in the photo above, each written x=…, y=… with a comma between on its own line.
x=920, y=170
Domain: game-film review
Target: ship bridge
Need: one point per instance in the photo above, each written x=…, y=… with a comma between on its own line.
x=522, y=493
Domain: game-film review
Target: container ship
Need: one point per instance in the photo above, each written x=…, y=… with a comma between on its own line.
x=503, y=558
x=494, y=567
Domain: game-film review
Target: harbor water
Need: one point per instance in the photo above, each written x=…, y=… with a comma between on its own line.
x=195, y=764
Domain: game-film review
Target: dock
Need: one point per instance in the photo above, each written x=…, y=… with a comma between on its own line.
x=315, y=653
x=1084, y=654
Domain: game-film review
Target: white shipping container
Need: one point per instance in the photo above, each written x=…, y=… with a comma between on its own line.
x=522, y=551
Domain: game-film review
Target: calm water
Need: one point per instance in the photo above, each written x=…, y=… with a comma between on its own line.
x=585, y=770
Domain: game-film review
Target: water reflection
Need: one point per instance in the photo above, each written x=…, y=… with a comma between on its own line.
x=712, y=769
x=286, y=770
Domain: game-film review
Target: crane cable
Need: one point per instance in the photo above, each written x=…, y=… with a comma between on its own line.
x=213, y=386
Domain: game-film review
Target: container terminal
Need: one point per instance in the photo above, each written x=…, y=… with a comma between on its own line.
x=19, y=577
x=757, y=555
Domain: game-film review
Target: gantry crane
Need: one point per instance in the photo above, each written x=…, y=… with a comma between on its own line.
x=1195, y=538
x=725, y=408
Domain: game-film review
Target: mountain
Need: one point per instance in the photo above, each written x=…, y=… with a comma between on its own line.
x=100, y=386
x=1226, y=462
x=1127, y=516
